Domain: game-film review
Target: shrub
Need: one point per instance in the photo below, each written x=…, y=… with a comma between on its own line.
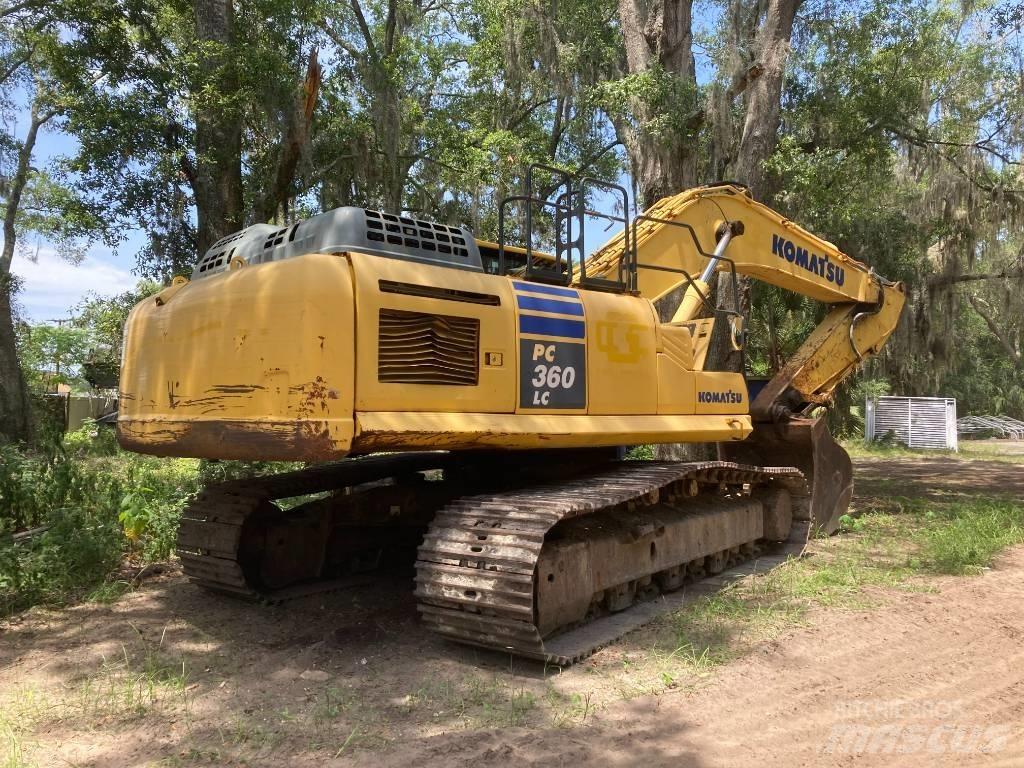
x=91, y=439
x=965, y=538
x=95, y=507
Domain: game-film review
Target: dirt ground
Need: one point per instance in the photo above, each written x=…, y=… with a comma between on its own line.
x=167, y=675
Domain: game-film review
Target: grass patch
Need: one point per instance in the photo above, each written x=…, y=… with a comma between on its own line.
x=900, y=544
x=968, y=450
x=475, y=702
x=964, y=539
x=134, y=684
x=15, y=748
x=569, y=710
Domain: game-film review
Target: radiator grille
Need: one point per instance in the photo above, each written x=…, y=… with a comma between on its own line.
x=420, y=348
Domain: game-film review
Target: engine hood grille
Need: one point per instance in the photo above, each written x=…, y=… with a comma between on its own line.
x=421, y=348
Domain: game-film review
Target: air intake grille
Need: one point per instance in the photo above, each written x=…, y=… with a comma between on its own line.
x=419, y=348
x=413, y=233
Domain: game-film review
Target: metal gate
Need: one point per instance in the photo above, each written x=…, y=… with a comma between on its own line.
x=916, y=422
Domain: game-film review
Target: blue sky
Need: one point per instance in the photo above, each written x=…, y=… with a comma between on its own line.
x=51, y=285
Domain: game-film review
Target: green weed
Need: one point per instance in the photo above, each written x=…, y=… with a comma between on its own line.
x=569, y=710
x=476, y=701
x=90, y=513
x=965, y=538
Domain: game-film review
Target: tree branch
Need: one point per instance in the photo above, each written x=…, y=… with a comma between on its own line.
x=18, y=184
x=942, y=280
x=17, y=64
x=389, y=27
x=1004, y=342
x=294, y=142
x=371, y=49
x=342, y=43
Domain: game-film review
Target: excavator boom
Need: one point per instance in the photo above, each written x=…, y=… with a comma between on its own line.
x=674, y=241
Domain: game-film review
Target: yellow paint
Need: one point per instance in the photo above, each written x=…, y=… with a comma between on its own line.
x=454, y=431
x=621, y=354
x=280, y=360
x=496, y=390
x=676, y=387
x=267, y=344
x=704, y=209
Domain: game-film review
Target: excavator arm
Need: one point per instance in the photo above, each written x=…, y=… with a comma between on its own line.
x=682, y=241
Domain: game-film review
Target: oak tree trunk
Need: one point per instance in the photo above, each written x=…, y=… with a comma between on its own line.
x=763, y=98
x=658, y=37
x=15, y=419
x=218, y=169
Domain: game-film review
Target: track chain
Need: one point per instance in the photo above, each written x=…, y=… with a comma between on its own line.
x=475, y=568
x=212, y=525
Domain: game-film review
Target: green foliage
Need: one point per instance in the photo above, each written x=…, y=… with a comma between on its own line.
x=103, y=318
x=134, y=512
x=91, y=439
x=219, y=471
x=850, y=524
x=965, y=538
x=52, y=354
x=84, y=351
x=93, y=509
x=640, y=453
x=657, y=102
x=77, y=552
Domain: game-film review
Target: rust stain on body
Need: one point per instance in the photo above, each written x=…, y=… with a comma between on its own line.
x=234, y=439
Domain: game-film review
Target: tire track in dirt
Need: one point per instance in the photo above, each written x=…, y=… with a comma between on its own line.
x=940, y=667
x=929, y=678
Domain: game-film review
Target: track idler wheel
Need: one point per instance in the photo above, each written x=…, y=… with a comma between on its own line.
x=807, y=445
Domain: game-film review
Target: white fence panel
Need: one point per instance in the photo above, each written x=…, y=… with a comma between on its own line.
x=916, y=422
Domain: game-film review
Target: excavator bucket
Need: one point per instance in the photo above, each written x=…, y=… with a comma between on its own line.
x=807, y=445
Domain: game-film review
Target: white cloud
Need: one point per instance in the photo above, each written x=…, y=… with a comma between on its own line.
x=51, y=286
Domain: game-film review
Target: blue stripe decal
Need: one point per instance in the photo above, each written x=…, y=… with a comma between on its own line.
x=550, y=305
x=551, y=290
x=552, y=326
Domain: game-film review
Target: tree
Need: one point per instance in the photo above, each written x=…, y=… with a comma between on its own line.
x=659, y=112
x=916, y=115
x=14, y=405
x=29, y=36
x=217, y=176
x=53, y=354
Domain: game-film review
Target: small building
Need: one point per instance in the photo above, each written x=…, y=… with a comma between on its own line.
x=916, y=422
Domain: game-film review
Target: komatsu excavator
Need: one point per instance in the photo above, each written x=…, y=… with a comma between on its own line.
x=470, y=400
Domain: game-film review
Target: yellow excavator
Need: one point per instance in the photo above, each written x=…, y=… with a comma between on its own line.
x=470, y=401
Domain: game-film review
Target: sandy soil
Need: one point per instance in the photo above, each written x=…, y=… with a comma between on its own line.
x=932, y=677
